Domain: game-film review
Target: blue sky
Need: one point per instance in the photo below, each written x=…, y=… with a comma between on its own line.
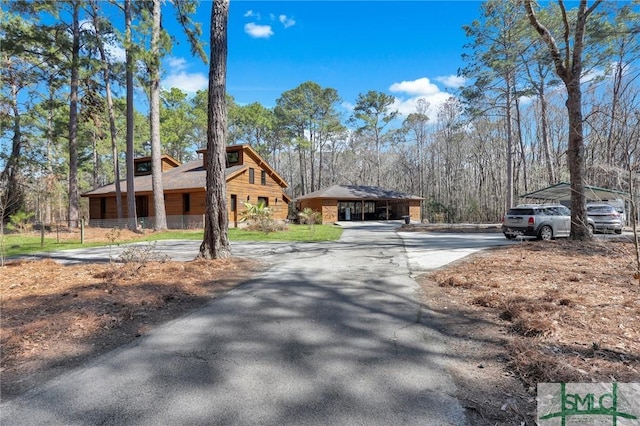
x=407, y=49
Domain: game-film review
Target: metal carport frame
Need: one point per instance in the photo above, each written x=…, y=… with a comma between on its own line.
x=562, y=192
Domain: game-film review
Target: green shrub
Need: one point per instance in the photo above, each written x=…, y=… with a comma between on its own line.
x=260, y=218
x=310, y=217
x=19, y=222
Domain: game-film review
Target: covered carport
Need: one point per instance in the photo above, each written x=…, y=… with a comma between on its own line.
x=561, y=193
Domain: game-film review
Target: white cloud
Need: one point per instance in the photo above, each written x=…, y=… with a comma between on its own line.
x=187, y=82
x=287, y=22
x=592, y=75
x=176, y=64
x=453, y=81
x=114, y=52
x=348, y=106
x=250, y=13
x=419, y=87
x=258, y=31
x=408, y=106
x=179, y=78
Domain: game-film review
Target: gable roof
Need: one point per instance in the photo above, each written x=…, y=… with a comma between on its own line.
x=562, y=191
x=191, y=175
x=165, y=158
x=358, y=192
x=260, y=161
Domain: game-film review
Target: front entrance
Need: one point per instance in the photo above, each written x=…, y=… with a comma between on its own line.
x=142, y=206
x=372, y=210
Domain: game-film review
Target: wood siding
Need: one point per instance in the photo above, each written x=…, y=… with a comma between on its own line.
x=249, y=192
x=415, y=210
x=238, y=185
x=329, y=211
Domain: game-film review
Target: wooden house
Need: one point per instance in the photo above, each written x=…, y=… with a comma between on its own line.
x=249, y=178
x=359, y=202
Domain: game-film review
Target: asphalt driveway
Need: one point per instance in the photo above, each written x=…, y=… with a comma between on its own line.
x=332, y=333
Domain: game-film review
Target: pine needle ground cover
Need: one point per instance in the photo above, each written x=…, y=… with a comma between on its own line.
x=541, y=311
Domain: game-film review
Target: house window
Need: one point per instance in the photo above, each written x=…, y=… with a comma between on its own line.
x=143, y=168
x=103, y=208
x=263, y=200
x=233, y=158
x=234, y=201
x=252, y=176
x=263, y=177
x=186, y=202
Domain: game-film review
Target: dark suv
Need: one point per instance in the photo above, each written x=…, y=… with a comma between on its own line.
x=543, y=221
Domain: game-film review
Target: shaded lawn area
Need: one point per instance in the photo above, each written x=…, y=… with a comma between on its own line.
x=19, y=244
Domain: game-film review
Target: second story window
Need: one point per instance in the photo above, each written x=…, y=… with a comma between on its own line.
x=252, y=176
x=142, y=168
x=263, y=177
x=233, y=158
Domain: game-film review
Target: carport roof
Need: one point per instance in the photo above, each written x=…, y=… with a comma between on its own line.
x=562, y=191
x=358, y=192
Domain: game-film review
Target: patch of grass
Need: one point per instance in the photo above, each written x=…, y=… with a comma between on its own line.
x=25, y=243
x=307, y=233
x=19, y=244
x=173, y=234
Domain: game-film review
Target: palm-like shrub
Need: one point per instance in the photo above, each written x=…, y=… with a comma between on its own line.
x=310, y=217
x=259, y=217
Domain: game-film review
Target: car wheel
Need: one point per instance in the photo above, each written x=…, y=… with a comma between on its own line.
x=510, y=236
x=591, y=230
x=545, y=233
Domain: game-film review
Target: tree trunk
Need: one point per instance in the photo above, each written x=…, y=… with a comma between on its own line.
x=74, y=201
x=215, y=244
x=523, y=148
x=131, y=198
x=11, y=194
x=106, y=72
x=509, y=152
x=114, y=153
x=378, y=161
x=312, y=159
x=301, y=159
x=160, y=222
x=94, y=141
x=50, y=179
x=575, y=160
x=544, y=128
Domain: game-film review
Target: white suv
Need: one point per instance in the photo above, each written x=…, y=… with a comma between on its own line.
x=543, y=221
x=604, y=218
